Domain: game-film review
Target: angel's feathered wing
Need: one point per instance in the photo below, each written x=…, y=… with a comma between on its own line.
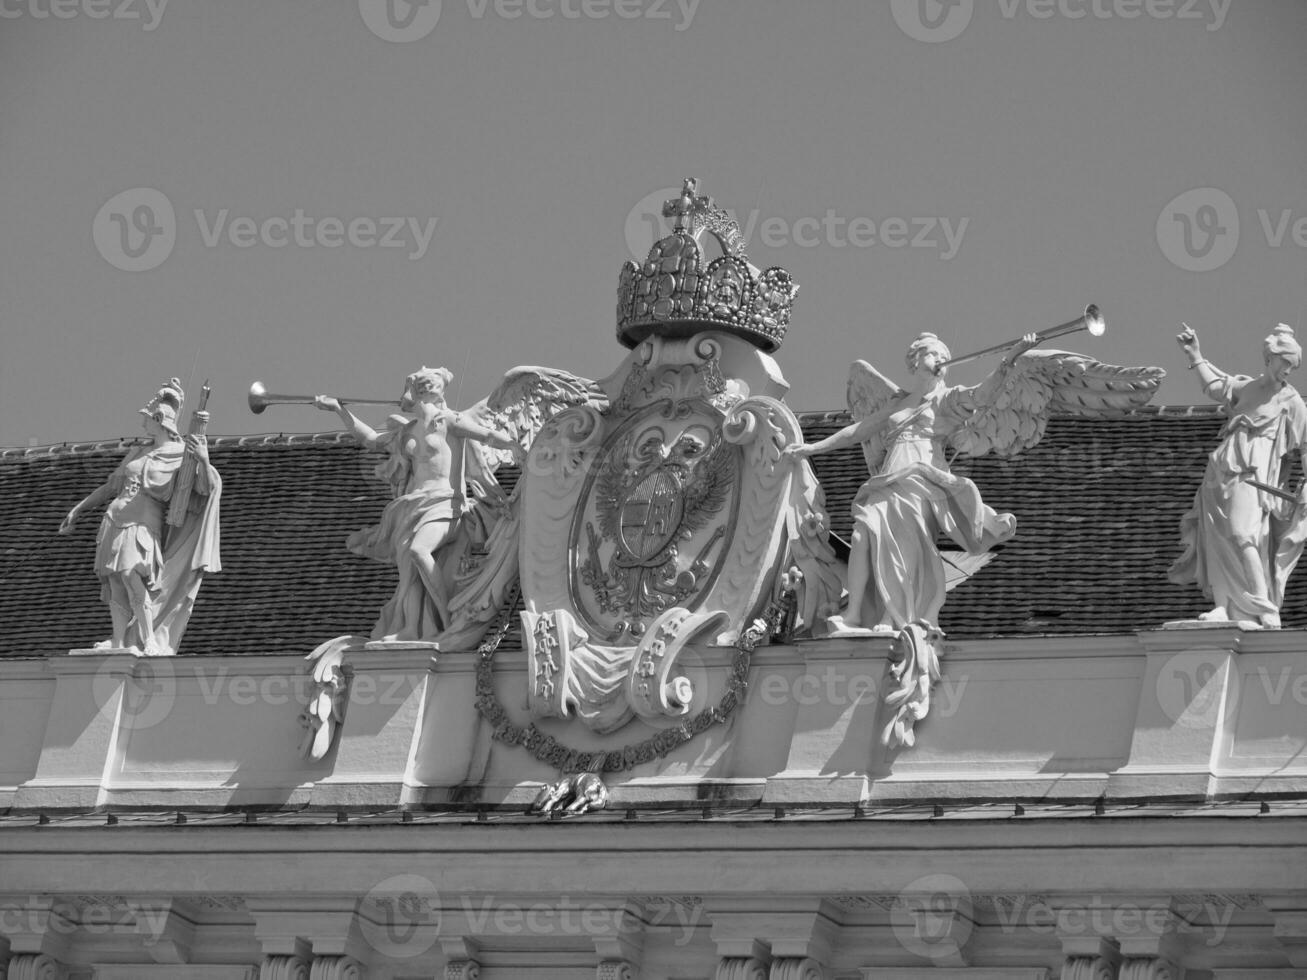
x=1039, y=384
x=525, y=400
x=868, y=392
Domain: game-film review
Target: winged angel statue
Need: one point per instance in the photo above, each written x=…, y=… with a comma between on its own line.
x=451, y=528
x=897, y=578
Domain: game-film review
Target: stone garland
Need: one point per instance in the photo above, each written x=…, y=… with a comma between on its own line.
x=778, y=616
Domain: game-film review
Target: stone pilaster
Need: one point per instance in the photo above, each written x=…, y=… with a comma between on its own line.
x=36, y=937
x=1185, y=718
x=1290, y=927
x=618, y=937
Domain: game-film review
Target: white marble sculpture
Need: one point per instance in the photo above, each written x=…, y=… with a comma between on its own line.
x=159, y=533
x=1245, y=532
x=434, y=459
x=897, y=576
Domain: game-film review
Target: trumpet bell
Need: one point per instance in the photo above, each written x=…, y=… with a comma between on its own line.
x=1094, y=321
x=258, y=398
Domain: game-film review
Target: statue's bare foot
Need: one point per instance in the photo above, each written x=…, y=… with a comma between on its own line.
x=883, y=628
x=1217, y=615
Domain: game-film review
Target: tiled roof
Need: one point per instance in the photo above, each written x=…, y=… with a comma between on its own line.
x=1098, y=504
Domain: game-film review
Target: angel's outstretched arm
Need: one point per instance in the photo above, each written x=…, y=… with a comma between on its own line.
x=850, y=435
x=359, y=429
x=985, y=392
x=464, y=426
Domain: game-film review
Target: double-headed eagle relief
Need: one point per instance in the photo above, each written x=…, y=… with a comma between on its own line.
x=655, y=492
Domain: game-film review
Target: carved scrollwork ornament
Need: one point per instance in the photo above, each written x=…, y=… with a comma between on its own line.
x=796, y=968
x=741, y=968
x=568, y=760
x=916, y=651
x=284, y=967
x=335, y=968
x=1088, y=968
x=463, y=970
x=326, y=707
x=36, y=966
x=616, y=970
x=1148, y=968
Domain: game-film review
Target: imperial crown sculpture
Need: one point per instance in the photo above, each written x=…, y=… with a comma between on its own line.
x=673, y=295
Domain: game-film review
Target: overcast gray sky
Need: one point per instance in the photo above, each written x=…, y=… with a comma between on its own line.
x=978, y=169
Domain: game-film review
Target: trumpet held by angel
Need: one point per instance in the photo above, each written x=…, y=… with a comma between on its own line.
x=909, y=435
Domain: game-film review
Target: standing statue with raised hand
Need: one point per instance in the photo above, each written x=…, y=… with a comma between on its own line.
x=1245, y=532
x=159, y=534
x=897, y=576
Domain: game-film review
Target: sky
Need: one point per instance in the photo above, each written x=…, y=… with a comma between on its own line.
x=325, y=197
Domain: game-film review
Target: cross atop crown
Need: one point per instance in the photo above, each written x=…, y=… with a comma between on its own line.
x=683, y=208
